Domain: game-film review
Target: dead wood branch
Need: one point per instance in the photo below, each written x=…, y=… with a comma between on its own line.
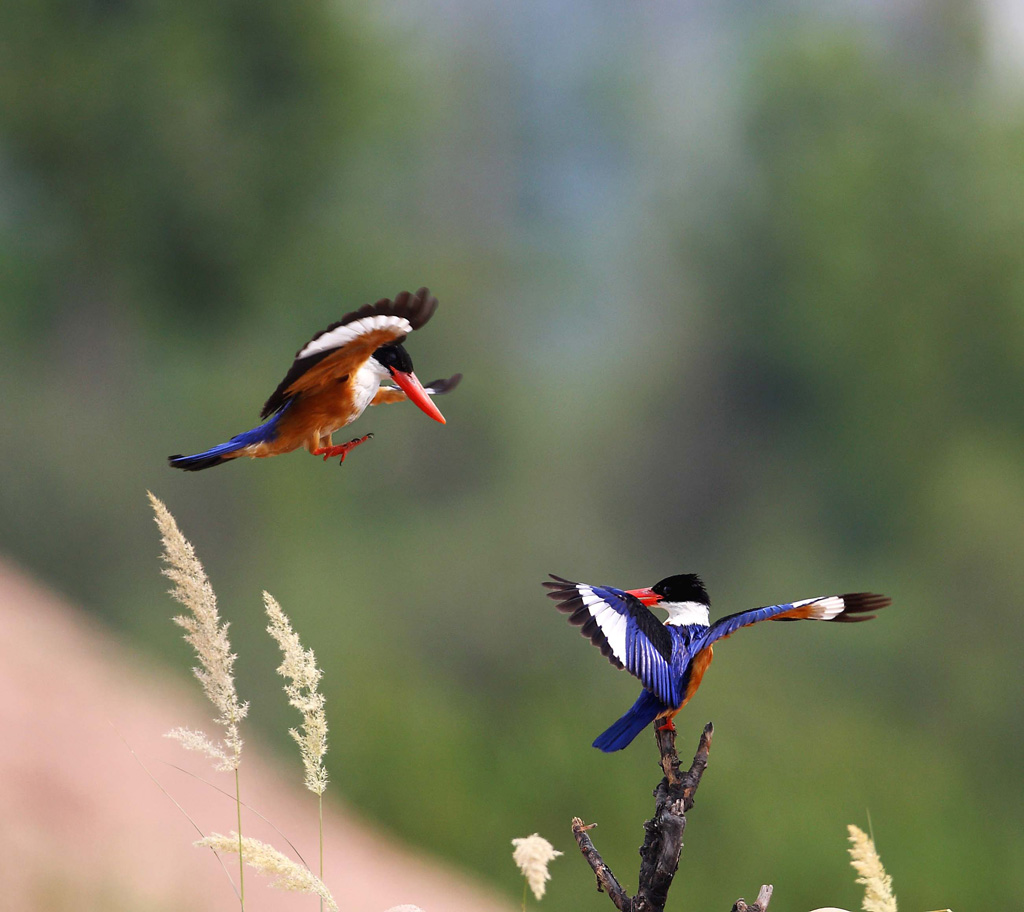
x=663, y=839
x=764, y=896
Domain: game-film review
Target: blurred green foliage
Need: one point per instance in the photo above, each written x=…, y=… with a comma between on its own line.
x=800, y=374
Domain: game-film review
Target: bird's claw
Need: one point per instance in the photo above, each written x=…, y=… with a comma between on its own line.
x=342, y=449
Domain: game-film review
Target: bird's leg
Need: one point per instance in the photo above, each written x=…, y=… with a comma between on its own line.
x=669, y=724
x=341, y=450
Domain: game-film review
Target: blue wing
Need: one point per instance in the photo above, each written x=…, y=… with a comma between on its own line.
x=625, y=631
x=849, y=608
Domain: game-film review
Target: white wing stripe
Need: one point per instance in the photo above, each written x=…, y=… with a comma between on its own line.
x=825, y=607
x=342, y=335
x=613, y=625
x=828, y=608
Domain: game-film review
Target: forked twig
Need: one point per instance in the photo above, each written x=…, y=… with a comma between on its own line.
x=663, y=839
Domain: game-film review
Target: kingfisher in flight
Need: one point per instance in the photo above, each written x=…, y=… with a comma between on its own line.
x=670, y=658
x=334, y=377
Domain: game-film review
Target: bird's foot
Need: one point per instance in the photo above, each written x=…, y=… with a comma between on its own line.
x=340, y=450
x=669, y=726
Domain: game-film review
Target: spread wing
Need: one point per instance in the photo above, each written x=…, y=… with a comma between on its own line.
x=849, y=608
x=625, y=631
x=344, y=347
x=388, y=394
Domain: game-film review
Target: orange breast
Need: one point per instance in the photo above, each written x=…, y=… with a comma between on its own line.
x=698, y=666
x=313, y=415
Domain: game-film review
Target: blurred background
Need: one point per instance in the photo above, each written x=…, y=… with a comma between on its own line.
x=736, y=288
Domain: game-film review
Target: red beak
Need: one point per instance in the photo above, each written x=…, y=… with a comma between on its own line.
x=417, y=394
x=647, y=596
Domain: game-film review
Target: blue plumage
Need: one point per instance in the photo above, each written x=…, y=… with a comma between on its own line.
x=641, y=714
x=670, y=658
x=668, y=682
x=224, y=451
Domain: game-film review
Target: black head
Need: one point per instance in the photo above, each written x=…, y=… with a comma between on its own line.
x=686, y=587
x=394, y=358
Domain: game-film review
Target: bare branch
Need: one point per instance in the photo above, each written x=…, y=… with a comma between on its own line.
x=663, y=833
x=605, y=879
x=674, y=796
x=764, y=897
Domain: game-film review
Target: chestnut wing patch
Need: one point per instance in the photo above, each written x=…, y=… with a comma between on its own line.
x=344, y=346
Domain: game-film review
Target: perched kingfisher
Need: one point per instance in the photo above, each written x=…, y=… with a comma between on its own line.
x=334, y=377
x=670, y=658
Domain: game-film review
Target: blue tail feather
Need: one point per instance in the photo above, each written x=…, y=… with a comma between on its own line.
x=225, y=451
x=641, y=714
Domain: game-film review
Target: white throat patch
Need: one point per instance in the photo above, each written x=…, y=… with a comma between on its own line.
x=365, y=384
x=682, y=614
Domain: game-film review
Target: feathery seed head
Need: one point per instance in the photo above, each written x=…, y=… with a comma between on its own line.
x=208, y=636
x=878, y=895
x=533, y=854
x=300, y=671
x=197, y=741
x=287, y=874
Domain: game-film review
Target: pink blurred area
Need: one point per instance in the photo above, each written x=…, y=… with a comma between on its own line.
x=83, y=826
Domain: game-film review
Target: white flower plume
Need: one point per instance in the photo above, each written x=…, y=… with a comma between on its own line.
x=286, y=874
x=198, y=741
x=300, y=670
x=208, y=636
x=533, y=854
x=878, y=895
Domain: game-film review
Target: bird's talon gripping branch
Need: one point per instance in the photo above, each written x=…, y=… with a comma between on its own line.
x=669, y=726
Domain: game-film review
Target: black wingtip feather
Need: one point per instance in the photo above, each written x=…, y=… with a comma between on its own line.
x=558, y=579
x=565, y=593
x=440, y=387
x=859, y=606
x=417, y=308
x=567, y=597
